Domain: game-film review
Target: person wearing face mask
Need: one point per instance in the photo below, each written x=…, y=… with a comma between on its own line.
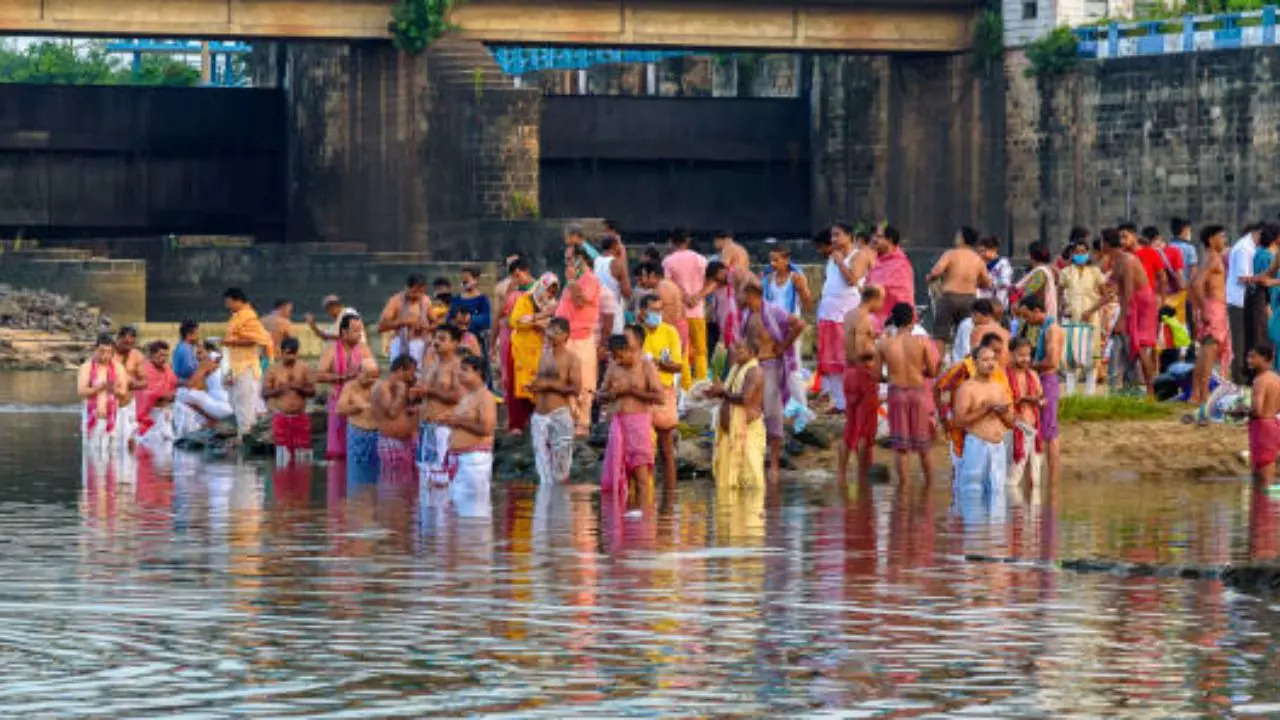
x=1083, y=290
x=476, y=303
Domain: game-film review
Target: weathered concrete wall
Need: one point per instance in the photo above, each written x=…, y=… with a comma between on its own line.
x=915, y=139
x=383, y=145
x=1194, y=135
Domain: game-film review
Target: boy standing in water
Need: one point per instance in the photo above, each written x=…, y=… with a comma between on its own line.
x=633, y=384
x=100, y=384
x=289, y=383
x=1028, y=397
x=558, y=380
x=1264, y=416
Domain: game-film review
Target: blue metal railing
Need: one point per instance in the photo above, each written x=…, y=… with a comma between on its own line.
x=222, y=72
x=1224, y=31
x=521, y=60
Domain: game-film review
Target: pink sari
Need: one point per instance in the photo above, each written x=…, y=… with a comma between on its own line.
x=335, y=445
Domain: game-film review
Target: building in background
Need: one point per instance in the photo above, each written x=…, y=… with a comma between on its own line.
x=1026, y=20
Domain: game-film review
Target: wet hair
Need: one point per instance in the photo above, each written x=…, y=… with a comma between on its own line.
x=1265, y=351
x=968, y=235
x=1177, y=225
x=402, y=362
x=1208, y=231
x=990, y=339
x=290, y=344
x=156, y=346
x=1110, y=237
x=871, y=292
x=990, y=242
x=451, y=330
x=104, y=339
x=187, y=327
x=1149, y=234
x=1032, y=303
x=559, y=323
x=984, y=306
x=713, y=268
x=1039, y=251
x=416, y=280
x=475, y=362
x=618, y=343
x=1018, y=343
x=782, y=250
x=345, y=322
x=635, y=330
x=892, y=235
x=281, y=302
x=127, y=331
x=902, y=315
x=236, y=294
x=1127, y=227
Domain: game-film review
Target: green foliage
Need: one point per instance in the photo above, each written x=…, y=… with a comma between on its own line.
x=62, y=62
x=1082, y=408
x=415, y=24
x=522, y=206
x=988, y=37
x=1053, y=54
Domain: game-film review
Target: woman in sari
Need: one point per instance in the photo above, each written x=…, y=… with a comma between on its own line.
x=740, y=435
x=528, y=320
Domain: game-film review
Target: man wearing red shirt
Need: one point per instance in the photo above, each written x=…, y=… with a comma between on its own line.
x=1153, y=263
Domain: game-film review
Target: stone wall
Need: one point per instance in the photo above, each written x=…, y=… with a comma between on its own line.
x=117, y=287
x=915, y=139
x=1145, y=139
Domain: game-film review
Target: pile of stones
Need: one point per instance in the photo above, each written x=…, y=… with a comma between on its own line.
x=40, y=330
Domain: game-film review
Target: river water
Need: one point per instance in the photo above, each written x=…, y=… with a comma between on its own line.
x=194, y=587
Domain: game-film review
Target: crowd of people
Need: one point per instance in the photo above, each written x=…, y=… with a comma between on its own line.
x=630, y=344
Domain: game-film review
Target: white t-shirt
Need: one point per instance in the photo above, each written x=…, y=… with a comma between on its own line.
x=1239, y=264
x=838, y=296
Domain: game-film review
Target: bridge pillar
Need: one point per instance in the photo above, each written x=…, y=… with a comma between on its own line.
x=395, y=151
x=917, y=139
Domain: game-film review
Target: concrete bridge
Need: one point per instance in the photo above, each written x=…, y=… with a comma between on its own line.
x=843, y=25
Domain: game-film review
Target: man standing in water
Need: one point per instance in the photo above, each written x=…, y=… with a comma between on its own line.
x=1264, y=415
x=339, y=364
x=962, y=271
x=773, y=331
x=1208, y=300
x=1138, y=305
x=395, y=419
x=407, y=315
x=355, y=405
x=289, y=384
x=861, y=384
x=632, y=384
x=471, y=426
x=442, y=389
x=1045, y=359
x=130, y=358
x=558, y=380
x=245, y=341
x=660, y=344
x=909, y=362
x=982, y=411
x=101, y=383
x=847, y=268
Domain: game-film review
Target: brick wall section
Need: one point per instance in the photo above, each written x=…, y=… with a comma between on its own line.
x=1145, y=139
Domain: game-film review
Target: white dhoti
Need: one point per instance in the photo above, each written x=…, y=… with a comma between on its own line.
x=981, y=479
x=433, y=451
x=161, y=432
x=552, y=437
x=415, y=348
x=469, y=490
x=1030, y=463
x=126, y=424
x=99, y=438
x=246, y=400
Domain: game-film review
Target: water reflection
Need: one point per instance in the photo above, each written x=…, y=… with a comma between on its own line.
x=171, y=583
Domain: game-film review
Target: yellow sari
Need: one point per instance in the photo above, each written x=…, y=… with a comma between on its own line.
x=526, y=344
x=739, y=452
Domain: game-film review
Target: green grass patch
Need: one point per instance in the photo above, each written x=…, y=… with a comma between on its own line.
x=1113, y=407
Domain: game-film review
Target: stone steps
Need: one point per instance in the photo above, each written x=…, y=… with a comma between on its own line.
x=466, y=64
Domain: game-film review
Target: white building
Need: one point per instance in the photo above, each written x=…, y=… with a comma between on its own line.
x=1026, y=20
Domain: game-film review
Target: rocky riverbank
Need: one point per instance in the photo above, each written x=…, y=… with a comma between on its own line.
x=40, y=330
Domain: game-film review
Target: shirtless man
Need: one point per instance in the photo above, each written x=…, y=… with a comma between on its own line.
x=983, y=413
x=407, y=315
x=101, y=383
x=1045, y=359
x=1264, y=416
x=130, y=358
x=395, y=418
x=861, y=384
x=962, y=271
x=471, y=423
x=278, y=323
x=289, y=383
x=672, y=298
x=908, y=360
x=632, y=385
x=355, y=405
x=442, y=389
x=1208, y=298
x=340, y=363
x=1138, y=306
x=984, y=323
x=846, y=269
x=558, y=379
x=734, y=257
x=772, y=330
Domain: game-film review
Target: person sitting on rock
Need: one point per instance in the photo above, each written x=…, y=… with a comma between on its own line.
x=740, y=434
x=290, y=383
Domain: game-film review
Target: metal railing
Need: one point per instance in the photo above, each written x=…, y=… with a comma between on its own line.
x=1190, y=33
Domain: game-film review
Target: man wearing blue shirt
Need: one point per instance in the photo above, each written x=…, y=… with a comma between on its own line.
x=184, y=355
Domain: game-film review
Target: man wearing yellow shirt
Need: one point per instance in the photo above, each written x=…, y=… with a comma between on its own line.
x=245, y=339
x=662, y=346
